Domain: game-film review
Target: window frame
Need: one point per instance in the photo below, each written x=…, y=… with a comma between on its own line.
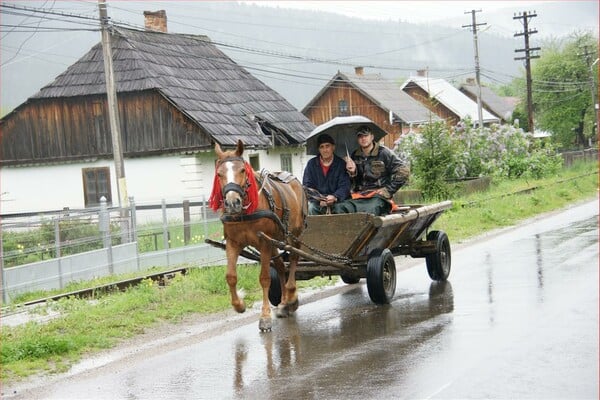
x=286, y=158
x=87, y=196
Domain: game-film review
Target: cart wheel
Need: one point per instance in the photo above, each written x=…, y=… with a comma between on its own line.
x=381, y=276
x=438, y=263
x=274, y=288
x=349, y=279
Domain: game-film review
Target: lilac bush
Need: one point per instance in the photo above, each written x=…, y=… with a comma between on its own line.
x=503, y=151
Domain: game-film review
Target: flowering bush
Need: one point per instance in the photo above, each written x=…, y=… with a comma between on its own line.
x=439, y=154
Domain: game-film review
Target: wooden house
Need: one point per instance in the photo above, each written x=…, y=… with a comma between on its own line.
x=177, y=94
x=372, y=96
x=501, y=107
x=445, y=100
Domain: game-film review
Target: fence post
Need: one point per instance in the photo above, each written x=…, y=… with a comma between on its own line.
x=5, y=298
x=165, y=230
x=205, y=217
x=57, y=250
x=134, y=230
x=186, y=222
x=133, y=219
x=104, y=227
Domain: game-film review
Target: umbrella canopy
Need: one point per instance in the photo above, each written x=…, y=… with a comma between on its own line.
x=343, y=132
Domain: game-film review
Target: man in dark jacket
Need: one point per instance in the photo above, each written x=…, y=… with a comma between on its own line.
x=377, y=173
x=326, y=179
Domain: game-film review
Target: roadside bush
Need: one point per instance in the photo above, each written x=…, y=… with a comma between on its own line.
x=432, y=155
x=439, y=154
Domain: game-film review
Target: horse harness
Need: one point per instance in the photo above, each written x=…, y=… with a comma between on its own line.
x=265, y=176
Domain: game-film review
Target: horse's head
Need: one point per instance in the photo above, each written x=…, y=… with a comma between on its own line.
x=237, y=187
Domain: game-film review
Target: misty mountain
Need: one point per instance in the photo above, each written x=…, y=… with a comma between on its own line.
x=294, y=52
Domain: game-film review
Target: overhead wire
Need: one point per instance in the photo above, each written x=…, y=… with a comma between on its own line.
x=289, y=75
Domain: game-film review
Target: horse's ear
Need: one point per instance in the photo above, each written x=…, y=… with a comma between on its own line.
x=240, y=148
x=218, y=150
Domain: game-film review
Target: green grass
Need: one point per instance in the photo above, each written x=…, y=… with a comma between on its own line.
x=86, y=327
x=508, y=202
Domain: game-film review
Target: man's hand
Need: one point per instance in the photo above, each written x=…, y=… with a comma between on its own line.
x=350, y=166
x=328, y=200
x=383, y=192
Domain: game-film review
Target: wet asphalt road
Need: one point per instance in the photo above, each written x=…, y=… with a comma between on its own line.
x=518, y=319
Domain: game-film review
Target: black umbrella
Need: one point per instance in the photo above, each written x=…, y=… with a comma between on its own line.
x=343, y=132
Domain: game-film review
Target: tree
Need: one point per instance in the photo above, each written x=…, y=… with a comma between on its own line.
x=562, y=89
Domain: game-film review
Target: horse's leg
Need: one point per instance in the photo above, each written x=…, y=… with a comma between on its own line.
x=265, y=323
x=281, y=311
x=290, y=286
x=289, y=295
x=232, y=251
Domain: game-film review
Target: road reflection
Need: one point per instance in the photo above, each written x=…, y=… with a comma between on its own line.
x=319, y=347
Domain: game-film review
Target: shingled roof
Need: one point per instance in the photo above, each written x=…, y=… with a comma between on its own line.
x=449, y=96
x=224, y=99
x=497, y=105
x=387, y=95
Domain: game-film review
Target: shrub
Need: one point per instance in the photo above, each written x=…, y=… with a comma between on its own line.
x=438, y=154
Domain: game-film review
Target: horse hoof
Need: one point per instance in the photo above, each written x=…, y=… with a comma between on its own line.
x=240, y=308
x=293, y=306
x=265, y=325
x=282, y=311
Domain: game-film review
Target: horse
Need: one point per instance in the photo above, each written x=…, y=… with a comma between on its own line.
x=278, y=209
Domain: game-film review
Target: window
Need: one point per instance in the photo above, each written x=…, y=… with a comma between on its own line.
x=286, y=162
x=343, y=108
x=96, y=183
x=254, y=162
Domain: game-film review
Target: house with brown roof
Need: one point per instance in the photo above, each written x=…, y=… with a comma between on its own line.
x=501, y=107
x=177, y=95
x=372, y=96
x=445, y=100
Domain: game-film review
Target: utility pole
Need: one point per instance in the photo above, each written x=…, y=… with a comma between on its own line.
x=115, y=123
x=593, y=87
x=473, y=27
x=113, y=106
x=525, y=17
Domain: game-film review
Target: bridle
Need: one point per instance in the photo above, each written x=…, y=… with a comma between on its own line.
x=232, y=186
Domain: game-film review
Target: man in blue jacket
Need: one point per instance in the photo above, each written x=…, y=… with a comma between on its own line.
x=326, y=179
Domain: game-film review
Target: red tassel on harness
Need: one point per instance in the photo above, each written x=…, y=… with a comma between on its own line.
x=252, y=191
x=215, y=201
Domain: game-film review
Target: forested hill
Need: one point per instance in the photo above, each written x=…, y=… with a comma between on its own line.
x=297, y=52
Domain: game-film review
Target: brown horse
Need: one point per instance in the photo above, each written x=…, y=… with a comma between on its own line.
x=277, y=209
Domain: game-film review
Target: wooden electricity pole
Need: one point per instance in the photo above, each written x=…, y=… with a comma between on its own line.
x=525, y=17
x=113, y=106
x=593, y=87
x=473, y=27
x=115, y=123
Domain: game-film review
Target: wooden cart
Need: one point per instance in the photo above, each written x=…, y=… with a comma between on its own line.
x=361, y=245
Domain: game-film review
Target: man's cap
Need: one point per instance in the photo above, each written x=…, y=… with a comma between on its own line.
x=325, y=138
x=363, y=130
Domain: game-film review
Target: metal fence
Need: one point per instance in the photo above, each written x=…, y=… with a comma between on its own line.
x=43, y=251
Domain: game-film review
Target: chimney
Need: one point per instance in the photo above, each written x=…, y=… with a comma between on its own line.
x=155, y=21
x=421, y=72
x=359, y=70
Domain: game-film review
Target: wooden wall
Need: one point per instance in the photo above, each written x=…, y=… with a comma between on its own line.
x=326, y=108
x=54, y=130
